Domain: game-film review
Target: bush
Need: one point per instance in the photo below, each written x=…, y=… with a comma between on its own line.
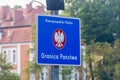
x=9, y=76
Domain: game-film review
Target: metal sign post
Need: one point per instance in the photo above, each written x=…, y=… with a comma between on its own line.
x=55, y=72
x=54, y=11
x=55, y=69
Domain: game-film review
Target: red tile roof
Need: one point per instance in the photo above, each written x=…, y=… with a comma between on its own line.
x=16, y=35
x=18, y=17
x=23, y=16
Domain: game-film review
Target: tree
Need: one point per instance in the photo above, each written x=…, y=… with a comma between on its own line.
x=5, y=68
x=92, y=51
x=99, y=18
x=72, y=7
x=9, y=76
x=108, y=66
x=103, y=61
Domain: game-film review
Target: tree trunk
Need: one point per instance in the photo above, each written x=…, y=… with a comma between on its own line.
x=37, y=75
x=80, y=73
x=91, y=70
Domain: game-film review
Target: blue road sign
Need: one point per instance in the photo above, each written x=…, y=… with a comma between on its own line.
x=58, y=40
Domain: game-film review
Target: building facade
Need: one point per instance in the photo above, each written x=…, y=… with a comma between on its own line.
x=14, y=44
x=15, y=35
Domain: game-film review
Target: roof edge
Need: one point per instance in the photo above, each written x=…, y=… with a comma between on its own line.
x=18, y=26
x=16, y=42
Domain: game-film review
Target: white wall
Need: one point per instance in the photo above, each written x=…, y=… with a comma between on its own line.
x=18, y=53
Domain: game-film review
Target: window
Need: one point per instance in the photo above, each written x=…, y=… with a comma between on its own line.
x=10, y=55
x=13, y=56
x=4, y=54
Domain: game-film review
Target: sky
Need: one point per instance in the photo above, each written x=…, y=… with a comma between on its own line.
x=22, y=3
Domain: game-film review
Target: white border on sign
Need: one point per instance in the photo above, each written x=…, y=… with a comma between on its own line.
x=37, y=40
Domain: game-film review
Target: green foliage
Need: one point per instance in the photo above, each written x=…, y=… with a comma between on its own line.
x=9, y=76
x=108, y=68
x=66, y=73
x=5, y=68
x=99, y=19
x=104, y=60
x=117, y=72
x=33, y=67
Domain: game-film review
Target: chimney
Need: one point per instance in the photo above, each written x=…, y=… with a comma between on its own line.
x=28, y=8
x=40, y=9
x=1, y=34
x=9, y=16
x=16, y=15
x=3, y=12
